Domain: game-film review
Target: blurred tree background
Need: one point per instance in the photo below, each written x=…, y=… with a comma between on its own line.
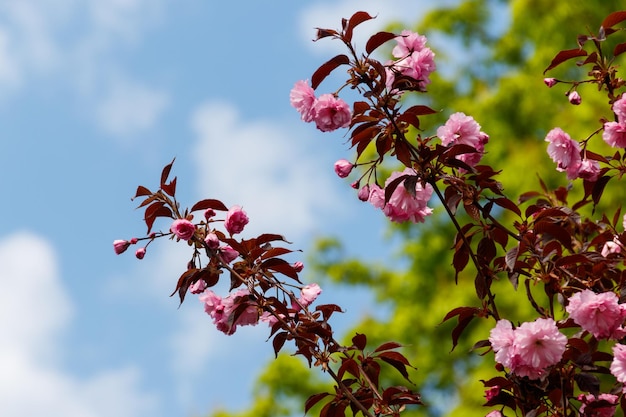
x=490, y=56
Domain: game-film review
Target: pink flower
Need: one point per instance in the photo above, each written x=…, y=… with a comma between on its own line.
x=612, y=246
x=492, y=393
x=331, y=113
x=619, y=108
x=364, y=193
x=624, y=222
x=494, y=413
x=563, y=150
x=550, y=82
x=140, y=253
x=212, y=241
x=618, y=366
x=615, y=134
x=462, y=129
x=236, y=220
x=403, y=205
x=183, y=229
x=223, y=309
x=588, y=170
x=208, y=213
x=596, y=410
x=343, y=168
x=529, y=349
x=298, y=266
x=574, y=98
x=407, y=43
x=228, y=253
x=120, y=246
x=308, y=294
x=599, y=314
x=302, y=97
x=197, y=287
x=213, y=305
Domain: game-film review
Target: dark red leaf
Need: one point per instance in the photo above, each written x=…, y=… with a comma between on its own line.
x=166, y=172
x=209, y=204
x=620, y=48
x=142, y=191
x=378, y=39
x=282, y=266
x=420, y=110
x=508, y=204
x=348, y=365
x=273, y=252
x=388, y=346
x=269, y=237
x=279, y=342
x=359, y=341
x=355, y=20
x=563, y=56
x=613, y=19
x=185, y=280
x=170, y=188
x=598, y=188
x=396, y=360
x=326, y=68
x=314, y=399
x=324, y=33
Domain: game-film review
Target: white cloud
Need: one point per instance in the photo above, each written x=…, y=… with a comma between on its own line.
x=268, y=170
x=34, y=313
x=130, y=107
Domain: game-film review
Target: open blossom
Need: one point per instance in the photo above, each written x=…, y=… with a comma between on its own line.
x=309, y=293
x=228, y=253
x=463, y=129
x=183, y=229
x=599, y=314
x=612, y=246
x=302, y=97
x=615, y=134
x=221, y=309
x=331, y=113
x=618, y=366
x=236, y=220
x=403, y=205
x=588, y=170
x=566, y=153
x=529, y=349
x=413, y=59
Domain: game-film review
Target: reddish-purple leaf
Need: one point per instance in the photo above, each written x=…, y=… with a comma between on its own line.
x=355, y=20
x=326, y=68
x=166, y=172
x=508, y=204
x=282, y=266
x=209, y=204
x=563, y=56
x=279, y=342
x=314, y=399
x=324, y=33
x=613, y=19
x=142, y=191
x=378, y=39
x=170, y=188
x=359, y=341
x=620, y=48
x=388, y=346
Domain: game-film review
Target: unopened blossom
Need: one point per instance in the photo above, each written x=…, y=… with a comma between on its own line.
x=403, y=205
x=212, y=241
x=198, y=287
x=612, y=246
x=492, y=392
x=183, y=229
x=309, y=293
x=600, y=314
x=228, y=254
x=618, y=366
x=236, y=220
x=120, y=246
x=550, y=82
x=563, y=150
x=302, y=97
x=209, y=213
x=463, y=129
x=343, y=167
x=140, y=253
x=364, y=193
x=331, y=113
x=529, y=349
x=574, y=98
x=614, y=134
x=596, y=411
x=298, y=266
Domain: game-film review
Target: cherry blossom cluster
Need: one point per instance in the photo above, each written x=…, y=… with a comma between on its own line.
x=566, y=153
x=328, y=111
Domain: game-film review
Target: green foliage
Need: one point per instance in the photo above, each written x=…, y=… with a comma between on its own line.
x=495, y=74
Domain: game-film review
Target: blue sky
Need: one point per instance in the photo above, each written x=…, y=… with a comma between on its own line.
x=95, y=98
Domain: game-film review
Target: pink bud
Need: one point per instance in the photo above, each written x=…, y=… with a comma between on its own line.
x=212, y=241
x=364, y=193
x=550, y=82
x=574, y=98
x=236, y=220
x=120, y=246
x=134, y=240
x=197, y=287
x=208, y=213
x=343, y=168
x=298, y=266
x=183, y=229
x=140, y=253
x=228, y=254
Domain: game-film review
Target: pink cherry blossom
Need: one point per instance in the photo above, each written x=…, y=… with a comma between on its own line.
x=197, y=287
x=494, y=413
x=331, y=113
x=590, y=399
x=309, y=293
x=563, y=150
x=302, y=97
x=574, y=98
x=463, y=129
x=599, y=314
x=364, y=193
x=612, y=246
x=615, y=134
x=492, y=393
x=619, y=108
x=228, y=253
x=120, y=246
x=183, y=229
x=209, y=213
x=414, y=59
x=236, y=220
x=222, y=310
x=618, y=366
x=403, y=205
x=501, y=338
x=407, y=43
x=213, y=305
x=298, y=266
x=212, y=241
x=343, y=167
x=588, y=170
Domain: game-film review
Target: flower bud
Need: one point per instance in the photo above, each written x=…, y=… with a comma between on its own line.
x=120, y=246
x=212, y=241
x=208, y=213
x=236, y=220
x=183, y=229
x=574, y=98
x=134, y=240
x=140, y=253
x=550, y=82
x=298, y=266
x=228, y=254
x=364, y=193
x=343, y=168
